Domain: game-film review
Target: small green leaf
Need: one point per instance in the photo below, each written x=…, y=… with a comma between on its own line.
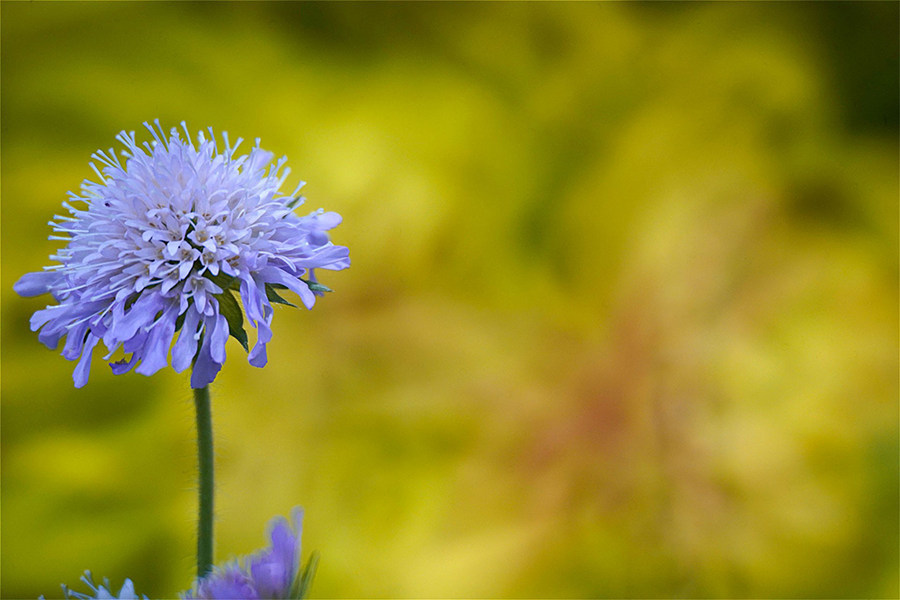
x=316, y=287
x=307, y=574
x=224, y=281
x=231, y=310
x=275, y=297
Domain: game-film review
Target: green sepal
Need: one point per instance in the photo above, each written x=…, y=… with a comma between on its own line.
x=316, y=286
x=231, y=310
x=226, y=282
x=275, y=297
x=307, y=574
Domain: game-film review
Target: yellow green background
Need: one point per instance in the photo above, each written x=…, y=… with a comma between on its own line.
x=622, y=319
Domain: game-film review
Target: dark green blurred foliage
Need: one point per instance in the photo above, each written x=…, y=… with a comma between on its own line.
x=621, y=321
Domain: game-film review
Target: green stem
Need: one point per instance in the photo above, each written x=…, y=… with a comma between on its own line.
x=206, y=486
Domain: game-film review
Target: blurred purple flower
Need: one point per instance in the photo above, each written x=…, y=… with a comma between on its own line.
x=160, y=245
x=270, y=573
x=102, y=592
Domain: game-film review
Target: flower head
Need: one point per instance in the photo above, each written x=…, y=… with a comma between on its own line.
x=162, y=243
x=102, y=592
x=270, y=573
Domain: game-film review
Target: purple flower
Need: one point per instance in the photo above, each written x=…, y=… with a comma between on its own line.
x=162, y=243
x=226, y=582
x=270, y=573
x=102, y=592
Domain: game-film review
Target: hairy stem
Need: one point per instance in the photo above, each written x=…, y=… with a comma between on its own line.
x=206, y=485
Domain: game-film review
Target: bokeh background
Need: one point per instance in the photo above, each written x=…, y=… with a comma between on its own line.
x=622, y=319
